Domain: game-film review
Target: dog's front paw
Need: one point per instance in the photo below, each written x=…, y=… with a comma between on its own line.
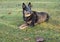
x=23, y=26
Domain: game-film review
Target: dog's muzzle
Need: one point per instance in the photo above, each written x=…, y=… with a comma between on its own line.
x=27, y=15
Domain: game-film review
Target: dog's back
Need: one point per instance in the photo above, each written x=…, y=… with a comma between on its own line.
x=41, y=16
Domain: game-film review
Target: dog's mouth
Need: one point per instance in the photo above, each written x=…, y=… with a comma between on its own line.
x=27, y=15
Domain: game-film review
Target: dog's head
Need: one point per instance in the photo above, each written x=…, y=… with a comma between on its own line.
x=26, y=9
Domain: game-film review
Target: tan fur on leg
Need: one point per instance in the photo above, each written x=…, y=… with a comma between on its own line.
x=23, y=26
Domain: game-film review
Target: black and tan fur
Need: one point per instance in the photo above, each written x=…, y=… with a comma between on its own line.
x=32, y=17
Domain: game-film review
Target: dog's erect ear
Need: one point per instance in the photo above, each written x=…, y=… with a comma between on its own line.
x=23, y=5
x=29, y=4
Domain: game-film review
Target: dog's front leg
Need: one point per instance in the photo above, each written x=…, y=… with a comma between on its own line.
x=33, y=21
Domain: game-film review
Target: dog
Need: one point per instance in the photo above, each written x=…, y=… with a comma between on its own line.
x=32, y=18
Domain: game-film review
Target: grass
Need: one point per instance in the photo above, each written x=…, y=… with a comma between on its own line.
x=9, y=31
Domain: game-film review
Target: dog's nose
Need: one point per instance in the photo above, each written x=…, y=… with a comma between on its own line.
x=28, y=13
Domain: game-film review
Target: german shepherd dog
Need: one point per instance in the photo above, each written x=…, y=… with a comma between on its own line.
x=32, y=17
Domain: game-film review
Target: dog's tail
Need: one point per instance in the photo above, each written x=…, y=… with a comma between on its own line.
x=47, y=19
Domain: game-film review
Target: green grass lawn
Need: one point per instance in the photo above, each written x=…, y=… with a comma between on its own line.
x=9, y=31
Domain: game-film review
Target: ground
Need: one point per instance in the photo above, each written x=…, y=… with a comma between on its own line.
x=11, y=19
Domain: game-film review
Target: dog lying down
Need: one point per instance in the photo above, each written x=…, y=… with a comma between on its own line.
x=23, y=26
